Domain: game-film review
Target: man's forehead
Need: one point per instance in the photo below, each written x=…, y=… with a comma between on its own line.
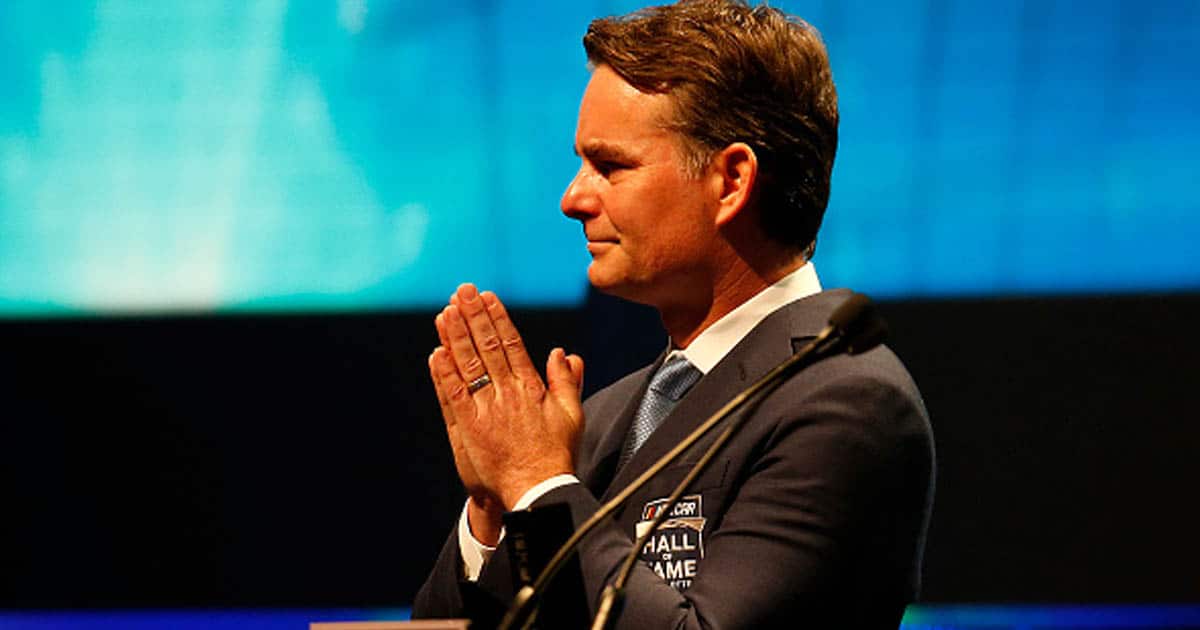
x=617, y=121
x=609, y=99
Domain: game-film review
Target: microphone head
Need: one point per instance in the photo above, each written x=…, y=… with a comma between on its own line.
x=859, y=324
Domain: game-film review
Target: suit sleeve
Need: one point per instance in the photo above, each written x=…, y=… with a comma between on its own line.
x=447, y=593
x=439, y=596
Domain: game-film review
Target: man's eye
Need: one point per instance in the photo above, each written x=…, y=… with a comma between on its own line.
x=607, y=168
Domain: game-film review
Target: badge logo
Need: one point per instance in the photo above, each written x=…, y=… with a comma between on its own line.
x=677, y=546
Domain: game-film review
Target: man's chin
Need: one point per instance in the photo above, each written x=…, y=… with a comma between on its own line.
x=617, y=286
x=605, y=281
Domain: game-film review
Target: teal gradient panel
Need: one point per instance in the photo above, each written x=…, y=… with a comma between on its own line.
x=367, y=154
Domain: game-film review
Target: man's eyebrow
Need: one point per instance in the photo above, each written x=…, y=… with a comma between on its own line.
x=604, y=152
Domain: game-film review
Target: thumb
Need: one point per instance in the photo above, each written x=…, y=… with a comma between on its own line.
x=575, y=363
x=564, y=376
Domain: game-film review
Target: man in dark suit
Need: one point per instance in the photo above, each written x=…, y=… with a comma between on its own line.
x=707, y=135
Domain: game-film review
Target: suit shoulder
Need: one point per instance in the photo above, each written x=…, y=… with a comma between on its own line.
x=880, y=365
x=872, y=391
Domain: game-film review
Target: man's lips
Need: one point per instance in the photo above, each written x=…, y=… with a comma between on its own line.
x=597, y=245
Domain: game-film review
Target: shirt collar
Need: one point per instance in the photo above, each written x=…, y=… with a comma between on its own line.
x=718, y=339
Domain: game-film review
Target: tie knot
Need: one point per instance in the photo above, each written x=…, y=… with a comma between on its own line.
x=675, y=378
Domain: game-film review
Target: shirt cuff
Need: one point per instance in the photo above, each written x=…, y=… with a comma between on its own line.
x=476, y=554
x=536, y=492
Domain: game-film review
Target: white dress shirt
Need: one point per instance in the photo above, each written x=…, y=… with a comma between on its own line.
x=709, y=347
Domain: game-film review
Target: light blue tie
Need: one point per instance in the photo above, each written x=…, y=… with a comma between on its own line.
x=672, y=380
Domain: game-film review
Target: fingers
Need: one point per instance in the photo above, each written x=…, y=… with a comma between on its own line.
x=510, y=340
x=439, y=322
x=451, y=388
x=482, y=338
x=460, y=346
x=474, y=341
x=443, y=399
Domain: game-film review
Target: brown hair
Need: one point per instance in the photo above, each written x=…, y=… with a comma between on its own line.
x=738, y=74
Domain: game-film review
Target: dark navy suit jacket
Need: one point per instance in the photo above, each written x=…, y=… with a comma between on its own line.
x=813, y=516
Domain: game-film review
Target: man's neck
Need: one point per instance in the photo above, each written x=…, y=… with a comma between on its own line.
x=685, y=322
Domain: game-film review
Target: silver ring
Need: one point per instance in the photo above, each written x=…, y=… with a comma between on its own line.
x=479, y=383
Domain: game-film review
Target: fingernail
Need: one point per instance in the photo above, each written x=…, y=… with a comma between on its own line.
x=469, y=292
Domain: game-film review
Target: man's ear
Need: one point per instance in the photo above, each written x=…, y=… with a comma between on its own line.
x=735, y=171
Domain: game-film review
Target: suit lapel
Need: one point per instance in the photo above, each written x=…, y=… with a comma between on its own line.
x=598, y=472
x=766, y=346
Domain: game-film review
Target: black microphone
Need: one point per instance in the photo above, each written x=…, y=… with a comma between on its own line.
x=861, y=325
x=854, y=327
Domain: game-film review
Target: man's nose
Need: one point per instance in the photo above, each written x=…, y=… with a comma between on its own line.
x=579, y=201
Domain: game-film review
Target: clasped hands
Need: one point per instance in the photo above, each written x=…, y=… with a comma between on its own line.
x=513, y=431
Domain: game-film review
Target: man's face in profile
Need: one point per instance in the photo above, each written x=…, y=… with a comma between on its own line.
x=649, y=224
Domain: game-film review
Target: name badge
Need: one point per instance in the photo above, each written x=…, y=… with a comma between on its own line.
x=677, y=546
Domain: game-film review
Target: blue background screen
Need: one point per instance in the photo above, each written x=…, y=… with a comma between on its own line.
x=365, y=154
